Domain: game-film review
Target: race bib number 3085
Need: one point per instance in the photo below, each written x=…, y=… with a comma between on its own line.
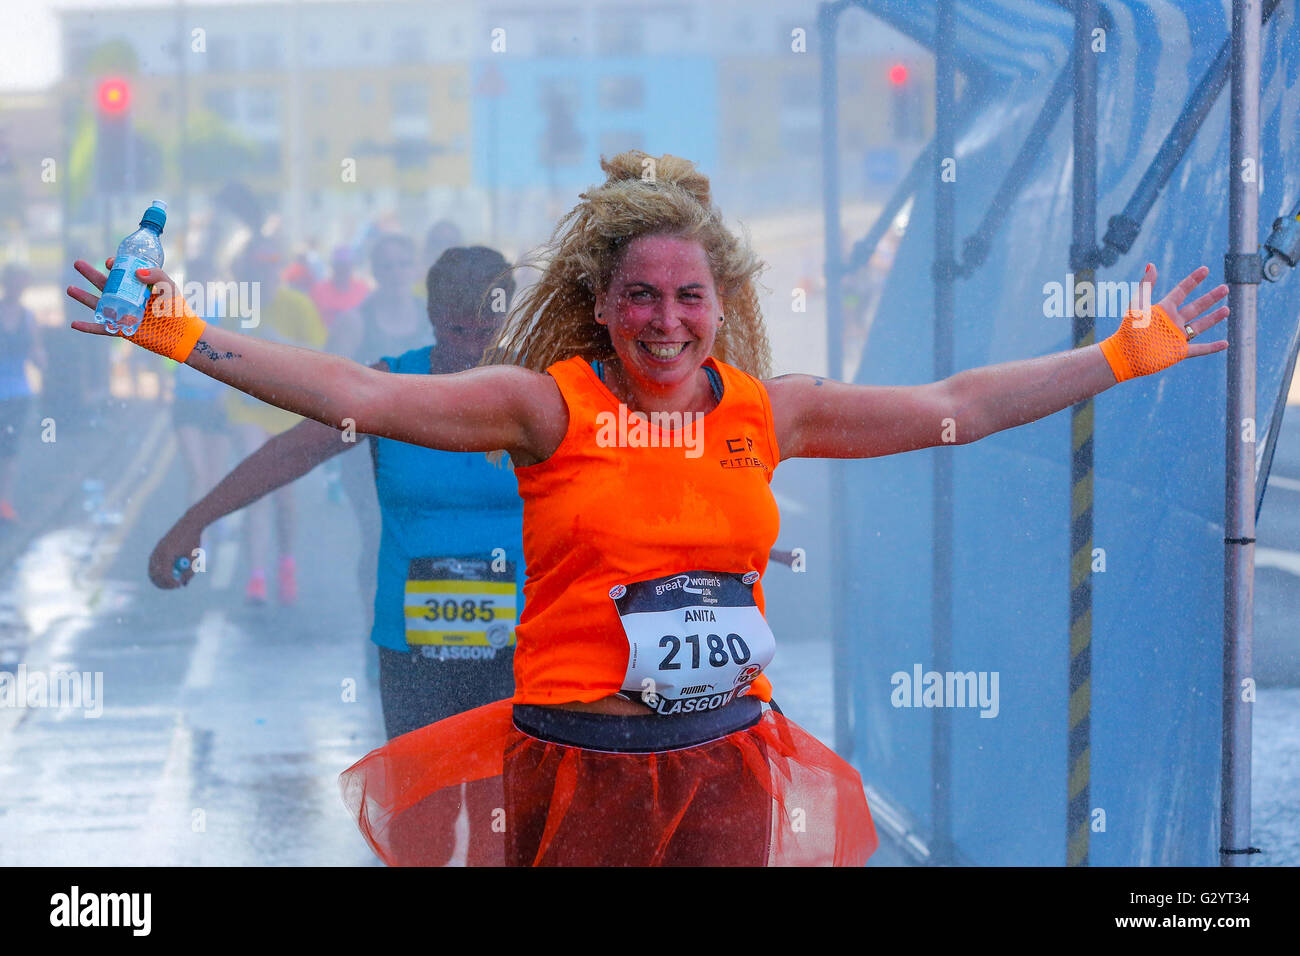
x=696, y=640
x=461, y=607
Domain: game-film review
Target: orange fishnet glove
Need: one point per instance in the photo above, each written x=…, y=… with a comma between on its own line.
x=169, y=326
x=1143, y=350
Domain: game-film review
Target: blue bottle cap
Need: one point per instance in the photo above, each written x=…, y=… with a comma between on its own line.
x=155, y=215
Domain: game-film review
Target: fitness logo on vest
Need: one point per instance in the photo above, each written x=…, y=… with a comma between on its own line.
x=741, y=454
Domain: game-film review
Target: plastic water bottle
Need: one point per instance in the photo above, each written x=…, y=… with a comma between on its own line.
x=121, y=305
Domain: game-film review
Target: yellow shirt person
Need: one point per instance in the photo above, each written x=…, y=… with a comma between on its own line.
x=292, y=318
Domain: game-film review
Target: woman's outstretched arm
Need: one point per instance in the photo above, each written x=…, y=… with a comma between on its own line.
x=819, y=418
x=481, y=409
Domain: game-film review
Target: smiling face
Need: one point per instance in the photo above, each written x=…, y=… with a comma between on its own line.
x=662, y=312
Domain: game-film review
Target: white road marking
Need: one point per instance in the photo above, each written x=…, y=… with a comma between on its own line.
x=203, y=662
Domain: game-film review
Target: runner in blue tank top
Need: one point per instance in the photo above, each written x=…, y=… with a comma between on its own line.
x=451, y=568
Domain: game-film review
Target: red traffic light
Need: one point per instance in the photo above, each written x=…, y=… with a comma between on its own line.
x=113, y=96
x=898, y=74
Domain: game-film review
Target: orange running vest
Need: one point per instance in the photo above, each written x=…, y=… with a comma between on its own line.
x=618, y=503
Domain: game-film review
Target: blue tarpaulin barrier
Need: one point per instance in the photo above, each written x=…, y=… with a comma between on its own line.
x=1157, y=611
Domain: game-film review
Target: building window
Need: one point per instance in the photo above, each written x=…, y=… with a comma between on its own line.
x=222, y=53
x=622, y=92
x=264, y=52
x=222, y=103
x=411, y=100
x=620, y=35
x=263, y=105
x=559, y=99
x=409, y=45
x=799, y=91
x=556, y=39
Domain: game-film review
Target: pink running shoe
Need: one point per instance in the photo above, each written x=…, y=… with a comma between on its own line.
x=255, y=593
x=288, y=580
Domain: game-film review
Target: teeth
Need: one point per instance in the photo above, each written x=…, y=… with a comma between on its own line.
x=664, y=351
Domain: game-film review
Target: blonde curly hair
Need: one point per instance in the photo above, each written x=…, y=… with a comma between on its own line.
x=643, y=195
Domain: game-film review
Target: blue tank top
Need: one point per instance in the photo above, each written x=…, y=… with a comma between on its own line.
x=715, y=380
x=437, y=504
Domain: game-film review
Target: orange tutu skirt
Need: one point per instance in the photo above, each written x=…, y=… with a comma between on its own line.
x=767, y=795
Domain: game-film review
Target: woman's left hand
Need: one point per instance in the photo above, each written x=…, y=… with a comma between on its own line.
x=1183, y=313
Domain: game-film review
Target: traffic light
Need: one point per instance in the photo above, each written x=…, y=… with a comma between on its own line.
x=114, y=146
x=905, y=106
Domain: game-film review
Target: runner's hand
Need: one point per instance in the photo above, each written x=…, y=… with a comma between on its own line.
x=157, y=280
x=1190, y=313
x=179, y=542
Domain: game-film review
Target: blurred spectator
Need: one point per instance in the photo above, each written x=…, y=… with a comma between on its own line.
x=19, y=342
x=390, y=320
x=285, y=316
x=299, y=275
x=342, y=291
x=198, y=402
x=442, y=235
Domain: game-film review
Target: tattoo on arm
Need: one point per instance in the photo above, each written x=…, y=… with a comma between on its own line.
x=203, y=348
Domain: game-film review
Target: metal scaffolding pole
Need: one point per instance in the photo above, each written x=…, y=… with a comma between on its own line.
x=1243, y=271
x=827, y=19
x=1083, y=262
x=945, y=277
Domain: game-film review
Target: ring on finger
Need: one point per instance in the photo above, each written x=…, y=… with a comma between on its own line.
x=1191, y=333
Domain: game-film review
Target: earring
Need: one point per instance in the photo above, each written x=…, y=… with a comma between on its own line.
x=721, y=319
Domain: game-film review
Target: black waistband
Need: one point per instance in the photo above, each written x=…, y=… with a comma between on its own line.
x=624, y=734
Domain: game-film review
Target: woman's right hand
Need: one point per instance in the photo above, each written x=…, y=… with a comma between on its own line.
x=157, y=281
x=180, y=542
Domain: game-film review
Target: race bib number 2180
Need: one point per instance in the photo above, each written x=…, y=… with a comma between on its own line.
x=696, y=640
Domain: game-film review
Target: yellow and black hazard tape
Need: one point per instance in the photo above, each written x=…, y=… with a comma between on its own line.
x=1077, y=817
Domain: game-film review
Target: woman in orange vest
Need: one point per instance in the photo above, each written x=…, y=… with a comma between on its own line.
x=643, y=433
